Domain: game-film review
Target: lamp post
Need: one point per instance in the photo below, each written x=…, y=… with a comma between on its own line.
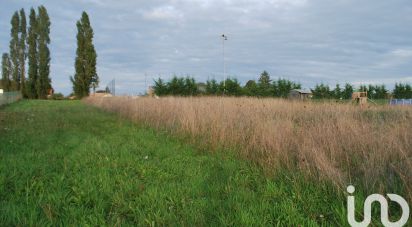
x=224, y=38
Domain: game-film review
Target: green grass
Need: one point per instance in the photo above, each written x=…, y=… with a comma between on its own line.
x=65, y=163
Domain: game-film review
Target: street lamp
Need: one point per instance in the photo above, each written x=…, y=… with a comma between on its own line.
x=224, y=38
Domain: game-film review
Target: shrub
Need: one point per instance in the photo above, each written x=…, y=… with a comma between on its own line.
x=57, y=96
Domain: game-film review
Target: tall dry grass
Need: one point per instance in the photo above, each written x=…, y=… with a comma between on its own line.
x=338, y=142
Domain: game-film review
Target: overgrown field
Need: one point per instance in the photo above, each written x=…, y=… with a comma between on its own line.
x=343, y=144
x=63, y=163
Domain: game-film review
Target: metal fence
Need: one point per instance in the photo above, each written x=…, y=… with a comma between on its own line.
x=400, y=102
x=9, y=97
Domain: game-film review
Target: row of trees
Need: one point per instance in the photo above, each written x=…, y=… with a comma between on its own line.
x=32, y=43
x=176, y=86
x=401, y=91
x=322, y=91
x=265, y=87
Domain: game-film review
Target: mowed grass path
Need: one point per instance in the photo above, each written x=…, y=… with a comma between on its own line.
x=65, y=163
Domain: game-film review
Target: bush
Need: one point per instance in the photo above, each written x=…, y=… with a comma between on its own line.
x=57, y=96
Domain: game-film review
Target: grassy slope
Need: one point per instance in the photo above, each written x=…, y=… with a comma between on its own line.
x=67, y=163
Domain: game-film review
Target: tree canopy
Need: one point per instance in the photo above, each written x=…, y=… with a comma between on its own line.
x=85, y=76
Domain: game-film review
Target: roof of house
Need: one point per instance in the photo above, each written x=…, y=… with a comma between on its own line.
x=302, y=91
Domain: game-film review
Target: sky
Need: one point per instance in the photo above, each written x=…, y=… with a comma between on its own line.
x=307, y=41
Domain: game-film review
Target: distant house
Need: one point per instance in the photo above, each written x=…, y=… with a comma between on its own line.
x=50, y=93
x=101, y=91
x=201, y=87
x=299, y=94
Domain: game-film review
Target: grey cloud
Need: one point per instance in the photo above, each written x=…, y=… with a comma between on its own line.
x=305, y=40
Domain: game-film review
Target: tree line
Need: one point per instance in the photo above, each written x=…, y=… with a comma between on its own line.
x=400, y=91
x=322, y=91
x=187, y=86
x=32, y=43
x=265, y=87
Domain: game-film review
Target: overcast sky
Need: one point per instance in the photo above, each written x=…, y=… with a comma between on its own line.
x=308, y=41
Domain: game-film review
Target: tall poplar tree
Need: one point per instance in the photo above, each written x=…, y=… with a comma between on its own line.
x=85, y=75
x=32, y=56
x=43, y=28
x=6, y=72
x=22, y=52
x=14, y=50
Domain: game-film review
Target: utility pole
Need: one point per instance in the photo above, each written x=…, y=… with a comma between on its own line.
x=145, y=83
x=224, y=38
x=114, y=86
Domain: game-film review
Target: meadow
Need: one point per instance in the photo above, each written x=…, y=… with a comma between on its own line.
x=196, y=161
x=338, y=143
x=63, y=163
